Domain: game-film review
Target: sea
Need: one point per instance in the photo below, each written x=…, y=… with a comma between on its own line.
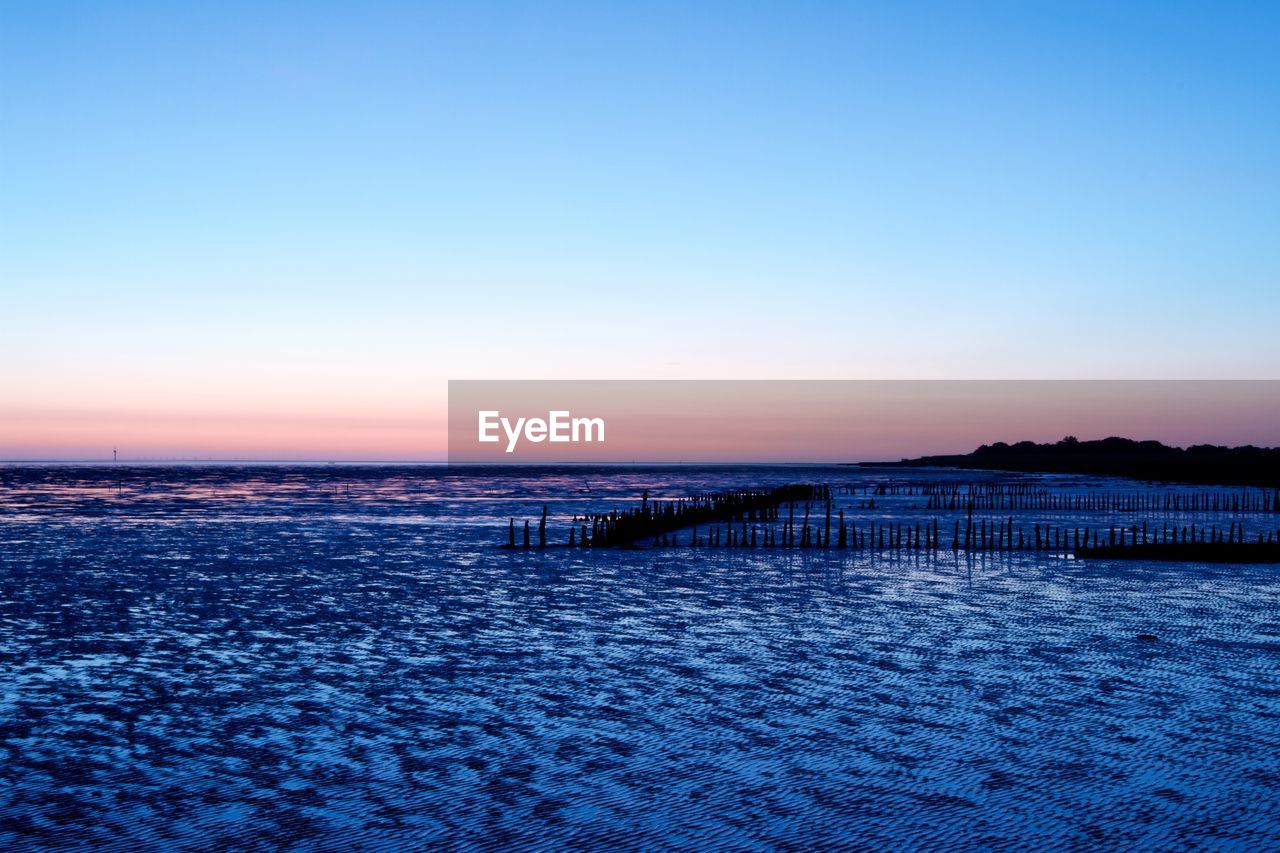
x=342, y=657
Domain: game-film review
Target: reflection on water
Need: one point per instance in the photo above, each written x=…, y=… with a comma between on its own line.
x=340, y=657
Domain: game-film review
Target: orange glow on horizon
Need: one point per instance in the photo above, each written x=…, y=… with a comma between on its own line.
x=663, y=421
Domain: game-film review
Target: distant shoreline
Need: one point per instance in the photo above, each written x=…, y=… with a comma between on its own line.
x=1203, y=464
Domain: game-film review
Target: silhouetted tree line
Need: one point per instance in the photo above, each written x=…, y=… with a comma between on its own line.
x=1120, y=457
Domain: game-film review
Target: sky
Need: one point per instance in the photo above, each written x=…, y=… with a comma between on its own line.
x=275, y=230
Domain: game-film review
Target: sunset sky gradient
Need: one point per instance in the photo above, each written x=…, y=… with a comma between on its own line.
x=276, y=231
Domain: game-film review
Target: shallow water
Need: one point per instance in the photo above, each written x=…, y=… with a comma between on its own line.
x=340, y=657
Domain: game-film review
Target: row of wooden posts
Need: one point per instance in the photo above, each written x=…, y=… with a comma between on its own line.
x=983, y=536
x=653, y=519
x=1232, y=502
x=751, y=519
x=1012, y=496
x=899, y=537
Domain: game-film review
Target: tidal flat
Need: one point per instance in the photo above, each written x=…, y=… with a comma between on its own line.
x=323, y=657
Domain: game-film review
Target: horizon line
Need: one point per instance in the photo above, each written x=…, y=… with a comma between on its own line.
x=443, y=462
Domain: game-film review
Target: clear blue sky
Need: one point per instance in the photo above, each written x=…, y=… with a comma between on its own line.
x=294, y=211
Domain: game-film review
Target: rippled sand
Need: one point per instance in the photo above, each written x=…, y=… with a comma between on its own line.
x=341, y=658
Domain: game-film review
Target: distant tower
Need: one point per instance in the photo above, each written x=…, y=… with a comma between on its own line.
x=113, y=455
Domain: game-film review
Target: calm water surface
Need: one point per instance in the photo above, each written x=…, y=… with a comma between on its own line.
x=339, y=658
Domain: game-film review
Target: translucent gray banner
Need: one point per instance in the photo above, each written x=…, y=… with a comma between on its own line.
x=739, y=421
